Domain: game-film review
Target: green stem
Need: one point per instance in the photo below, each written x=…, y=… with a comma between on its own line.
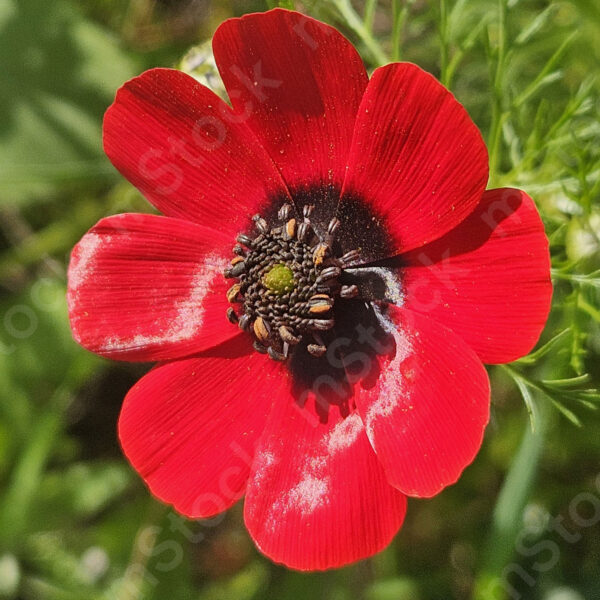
x=508, y=512
x=356, y=24
x=443, y=31
x=369, y=14
x=398, y=17
x=19, y=497
x=498, y=115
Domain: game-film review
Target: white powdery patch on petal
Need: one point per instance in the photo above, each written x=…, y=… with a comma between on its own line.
x=313, y=488
x=82, y=265
x=393, y=287
x=345, y=433
x=189, y=313
x=309, y=494
x=263, y=462
x=392, y=388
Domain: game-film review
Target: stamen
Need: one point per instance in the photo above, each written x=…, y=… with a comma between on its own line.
x=329, y=273
x=287, y=336
x=275, y=355
x=307, y=210
x=244, y=239
x=290, y=228
x=288, y=280
x=244, y=322
x=303, y=230
x=259, y=347
x=232, y=292
x=321, y=251
x=261, y=329
x=260, y=224
x=284, y=212
x=349, y=291
x=333, y=226
x=321, y=324
x=320, y=303
x=237, y=269
x=316, y=349
x=349, y=257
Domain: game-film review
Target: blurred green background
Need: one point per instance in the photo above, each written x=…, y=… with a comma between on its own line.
x=76, y=523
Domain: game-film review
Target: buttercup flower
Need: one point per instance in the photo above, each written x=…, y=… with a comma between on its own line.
x=328, y=363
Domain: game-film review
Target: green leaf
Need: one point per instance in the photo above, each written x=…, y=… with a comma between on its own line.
x=536, y=25
x=59, y=73
x=549, y=346
x=545, y=76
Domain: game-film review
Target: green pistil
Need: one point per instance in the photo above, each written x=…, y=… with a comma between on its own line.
x=279, y=279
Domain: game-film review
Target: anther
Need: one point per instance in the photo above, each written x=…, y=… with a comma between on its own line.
x=260, y=224
x=244, y=239
x=288, y=279
x=259, y=347
x=349, y=291
x=274, y=354
x=232, y=292
x=319, y=303
x=349, y=257
x=303, y=230
x=316, y=349
x=320, y=252
x=333, y=226
x=321, y=324
x=287, y=336
x=284, y=212
x=328, y=274
x=290, y=229
x=317, y=309
x=307, y=210
x=244, y=322
x=261, y=329
x=236, y=270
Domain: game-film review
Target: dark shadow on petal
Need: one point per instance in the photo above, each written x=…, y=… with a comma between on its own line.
x=362, y=229
x=236, y=347
x=355, y=348
x=379, y=284
x=324, y=197
x=471, y=234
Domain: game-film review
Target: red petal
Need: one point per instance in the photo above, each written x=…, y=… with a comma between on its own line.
x=145, y=288
x=318, y=498
x=190, y=427
x=182, y=146
x=299, y=83
x=426, y=414
x=488, y=279
x=417, y=160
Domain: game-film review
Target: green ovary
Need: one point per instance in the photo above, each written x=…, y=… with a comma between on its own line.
x=279, y=279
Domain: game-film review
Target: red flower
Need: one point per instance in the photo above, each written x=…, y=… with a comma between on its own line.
x=385, y=394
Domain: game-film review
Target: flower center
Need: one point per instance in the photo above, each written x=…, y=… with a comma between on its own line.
x=279, y=279
x=288, y=281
